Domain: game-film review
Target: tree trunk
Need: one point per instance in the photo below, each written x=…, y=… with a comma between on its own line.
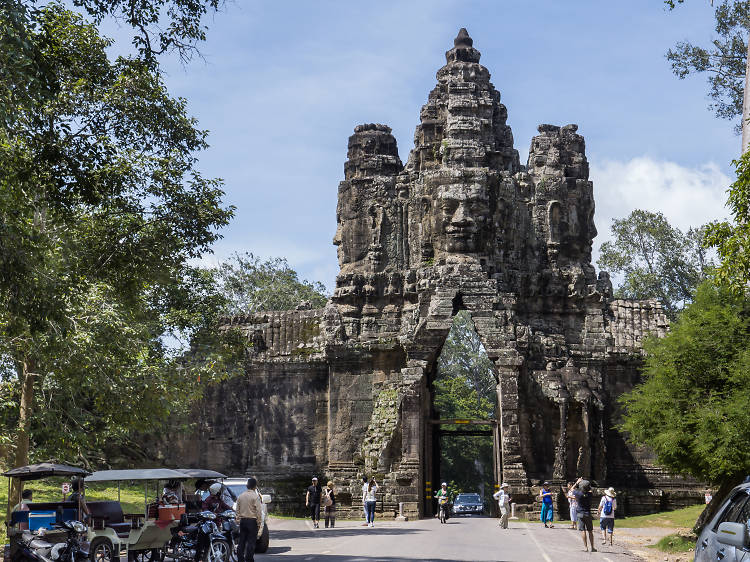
x=746, y=104
x=717, y=499
x=26, y=408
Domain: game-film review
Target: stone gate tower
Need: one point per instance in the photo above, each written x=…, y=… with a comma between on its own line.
x=347, y=389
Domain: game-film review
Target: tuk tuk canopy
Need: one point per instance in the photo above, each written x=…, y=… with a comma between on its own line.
x=201, y=473
x=45, y=470
x=136, y=474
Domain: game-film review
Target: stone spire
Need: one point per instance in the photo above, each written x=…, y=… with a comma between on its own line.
x=463, y=49
x=463, y=123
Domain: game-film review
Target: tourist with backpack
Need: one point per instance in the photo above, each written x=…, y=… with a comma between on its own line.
x=607, y=507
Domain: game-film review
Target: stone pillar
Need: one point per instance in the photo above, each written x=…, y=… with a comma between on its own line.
x=513, y=471
x=561, y=454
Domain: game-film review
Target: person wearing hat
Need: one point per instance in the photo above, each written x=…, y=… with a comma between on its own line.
x=312, y=500
x=545, y=494
x=583, y=497
x=607, y=507
x=503, y=501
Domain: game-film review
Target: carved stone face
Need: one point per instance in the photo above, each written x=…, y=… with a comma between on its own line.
x=460, y=215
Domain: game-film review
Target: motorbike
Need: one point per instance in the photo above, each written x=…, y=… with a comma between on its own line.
x=231, y=531
x=196, y=538
x=33, y=546
x=445, y=509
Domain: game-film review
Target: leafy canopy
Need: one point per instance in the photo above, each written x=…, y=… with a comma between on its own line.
x=101, y=210
x=723, y=60
x=656, y=259
x=732, y=240
x=691, y=409
x=251, y=284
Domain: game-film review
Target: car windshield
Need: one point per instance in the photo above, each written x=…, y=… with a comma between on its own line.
x=468, y=498
x=237, y=489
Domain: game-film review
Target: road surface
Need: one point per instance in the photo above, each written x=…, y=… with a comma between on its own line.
x=466, y=538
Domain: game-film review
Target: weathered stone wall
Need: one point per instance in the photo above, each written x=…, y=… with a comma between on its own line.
x=346, y=390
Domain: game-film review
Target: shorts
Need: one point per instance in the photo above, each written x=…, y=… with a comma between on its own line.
x=585, y=522
x=607, y=523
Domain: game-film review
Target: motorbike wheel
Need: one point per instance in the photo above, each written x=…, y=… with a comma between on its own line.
x=101, y=550
x=442, y=515
x=219, y=551
x=151, y=555
x=261, y=545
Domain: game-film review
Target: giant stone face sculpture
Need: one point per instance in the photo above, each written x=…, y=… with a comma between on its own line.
x=347, y=390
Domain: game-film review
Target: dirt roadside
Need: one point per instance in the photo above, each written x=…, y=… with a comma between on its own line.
x=638, y=540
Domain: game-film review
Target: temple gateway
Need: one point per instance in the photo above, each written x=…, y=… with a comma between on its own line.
x=346, y=390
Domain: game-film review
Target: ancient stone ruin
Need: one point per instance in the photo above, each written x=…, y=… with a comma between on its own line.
x=346, y=390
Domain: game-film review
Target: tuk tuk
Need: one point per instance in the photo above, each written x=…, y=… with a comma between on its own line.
x=41, y=516
x=141, y=536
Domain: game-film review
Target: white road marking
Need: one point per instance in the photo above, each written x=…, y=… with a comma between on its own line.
x=539, y=546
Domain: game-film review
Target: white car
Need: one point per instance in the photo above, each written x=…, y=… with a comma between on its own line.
x=726, y=536
x=238, y=485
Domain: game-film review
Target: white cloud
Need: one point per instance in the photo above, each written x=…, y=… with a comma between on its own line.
x=688, y=197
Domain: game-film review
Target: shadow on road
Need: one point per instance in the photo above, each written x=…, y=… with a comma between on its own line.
x=351, y=558
x=342, y=532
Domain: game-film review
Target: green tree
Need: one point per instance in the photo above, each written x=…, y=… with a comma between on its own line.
x=656, y=259
x=724, y=60
x=465, y=388
x=101, y=211
x=251, y=284
x=732, y=239
x=691, y=410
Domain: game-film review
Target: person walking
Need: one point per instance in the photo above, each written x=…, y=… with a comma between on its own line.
x=583, y=497
x=329, y=504
x=368, y=499
x=365, y=481
x=312, y=501
x=503, y=501
x=607, y=507
x=248, y=513
x=545, y=494
x=572, y=505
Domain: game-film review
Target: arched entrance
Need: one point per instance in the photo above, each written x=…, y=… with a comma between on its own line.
x=462, y=438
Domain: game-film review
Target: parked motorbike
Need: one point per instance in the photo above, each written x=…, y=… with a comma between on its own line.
x=231, y=530
x=33, y=546
x=196, y=538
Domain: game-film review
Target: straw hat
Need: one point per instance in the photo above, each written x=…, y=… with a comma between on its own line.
x=610, y=492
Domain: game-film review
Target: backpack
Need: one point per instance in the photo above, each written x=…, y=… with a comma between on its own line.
x=327, y=501
x=607, y=507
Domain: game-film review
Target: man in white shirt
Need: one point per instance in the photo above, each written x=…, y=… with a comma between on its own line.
x=503, y=500
x=607, y=507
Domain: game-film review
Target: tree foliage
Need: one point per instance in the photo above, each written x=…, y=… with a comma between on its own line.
x=691, y=409
x=723, y=60
x=656, y=259
x=251, y=284
x=101, y=211
x=732, y=240
x=465, y=388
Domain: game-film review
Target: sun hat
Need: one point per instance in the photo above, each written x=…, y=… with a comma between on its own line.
x=504, y=485
x=314, y=477
x=610, y=492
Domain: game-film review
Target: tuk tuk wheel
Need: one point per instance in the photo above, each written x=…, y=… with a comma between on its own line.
x=101, y=550
x=148, y=555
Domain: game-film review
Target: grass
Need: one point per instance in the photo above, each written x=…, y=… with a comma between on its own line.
x=684, y=517
x=675, y=543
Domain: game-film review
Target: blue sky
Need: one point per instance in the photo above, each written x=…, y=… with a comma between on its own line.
x=284, y=83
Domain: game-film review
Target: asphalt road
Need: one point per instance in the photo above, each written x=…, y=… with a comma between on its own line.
x=461, y=538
